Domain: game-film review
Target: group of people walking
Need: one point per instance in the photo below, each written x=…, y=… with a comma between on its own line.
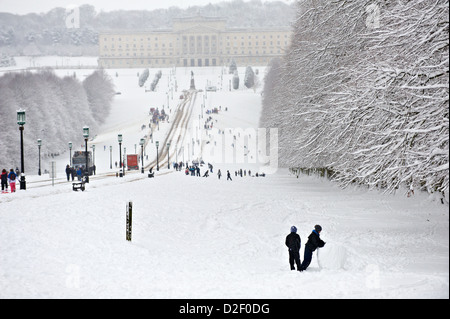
x=194, y=170
x=79, y=172
x=9, y=179
x=293, y=242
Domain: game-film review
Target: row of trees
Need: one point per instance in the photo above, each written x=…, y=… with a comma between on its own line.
x=56, y=110
x=363, y=93
x=6, y=60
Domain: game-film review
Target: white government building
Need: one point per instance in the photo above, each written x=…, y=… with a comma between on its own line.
x=192, y=42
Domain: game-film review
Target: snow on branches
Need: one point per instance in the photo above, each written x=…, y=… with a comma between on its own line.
x=57, y=109
x=365, y=96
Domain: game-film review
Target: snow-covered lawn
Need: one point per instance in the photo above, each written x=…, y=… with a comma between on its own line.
x=197, y=237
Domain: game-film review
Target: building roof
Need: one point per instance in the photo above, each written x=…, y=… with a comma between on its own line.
x=200, y=26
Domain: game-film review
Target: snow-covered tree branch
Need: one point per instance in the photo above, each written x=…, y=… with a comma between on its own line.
x=57, y=109
x=364, y=93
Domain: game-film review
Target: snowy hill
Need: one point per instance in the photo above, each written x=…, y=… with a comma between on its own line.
x=204, y=237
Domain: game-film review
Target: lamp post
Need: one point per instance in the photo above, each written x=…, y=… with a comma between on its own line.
x=21, y=123
x=182, y=151
x=168, y=161
x=93, y=158
x=168, y=106
x=119, y=138
x=39, y=143
x=142, y=142
x=151, y=132
x=157, y=155
x=124, y=162
x=70, y=153
x=86, y=136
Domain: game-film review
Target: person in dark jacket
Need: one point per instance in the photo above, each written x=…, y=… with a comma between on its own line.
x=68, y=172
x=4, y=181
x=311, y=245
x=12, y=180
x=293, y=242
x=79, y=173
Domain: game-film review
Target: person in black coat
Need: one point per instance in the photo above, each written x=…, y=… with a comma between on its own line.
x=68, y=172
x=293, y=242
x=311, y=245
x=4, y=181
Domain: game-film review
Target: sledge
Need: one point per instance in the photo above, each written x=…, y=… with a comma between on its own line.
x=78, y=185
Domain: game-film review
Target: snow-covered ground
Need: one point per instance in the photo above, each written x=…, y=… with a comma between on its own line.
x=197, y=237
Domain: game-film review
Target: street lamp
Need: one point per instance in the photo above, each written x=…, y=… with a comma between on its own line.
x=168, y=161
x=86, y=136
x=157, y=155
x=70, y=153
x=93, y=158
x=182, y=152
x=21, y=123
x=124, y=162
x=119, y=138
x=142, y=142
x=39, y=143
x=168, y=107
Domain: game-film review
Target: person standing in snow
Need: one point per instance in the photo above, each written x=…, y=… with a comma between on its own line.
x=79, y=173
x=12, y=180
x=229, y=176
x=68, y=172
x=293, y=242
x=311, y=245
x=4, y=181
x=219, y=174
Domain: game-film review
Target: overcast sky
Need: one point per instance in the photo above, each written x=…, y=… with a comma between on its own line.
x=39, y=6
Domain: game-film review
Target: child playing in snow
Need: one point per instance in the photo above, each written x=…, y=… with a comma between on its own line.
x=313, y=243
x=293, y=243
